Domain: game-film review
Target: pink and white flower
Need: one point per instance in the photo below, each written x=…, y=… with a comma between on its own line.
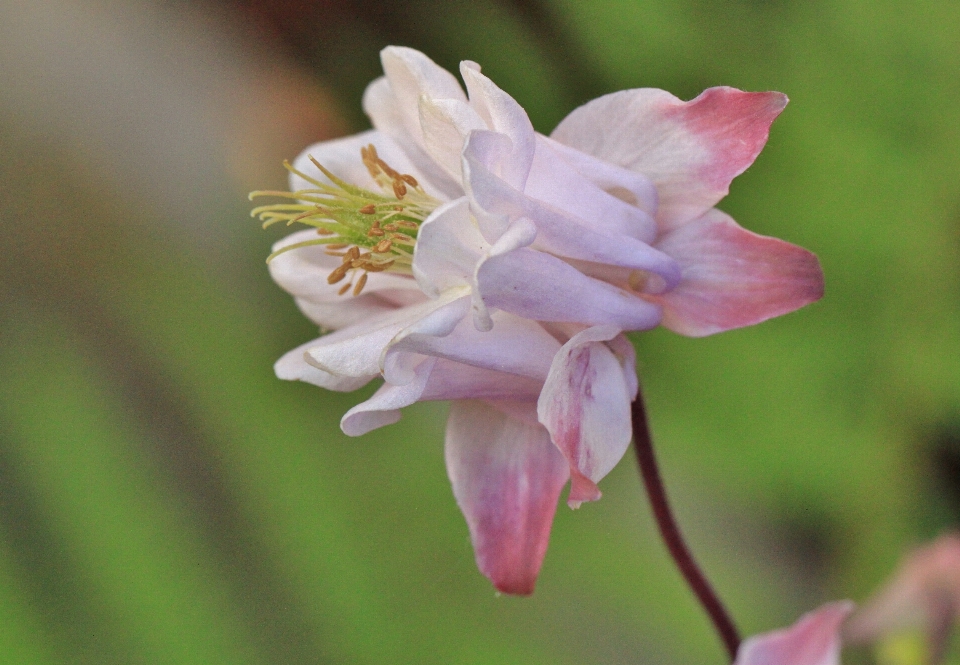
x=499, y=268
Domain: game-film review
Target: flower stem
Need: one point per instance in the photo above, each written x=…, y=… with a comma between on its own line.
x=643, y=444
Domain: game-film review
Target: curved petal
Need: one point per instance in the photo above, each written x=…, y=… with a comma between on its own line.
x=303, y=272
x=691, y=150
x=628, y=186
x=555, y=182
x=383, y=109
x=449, y=246
x=451, y=380
x=514, y=345
x=813, y=640
x=506, y=477
x=585, y=405
x=383, y=407
x=502, y=114
x=495, y=202
x=734, y=278
x=335, y=315
x=535, y=285
x=446, y=124
x=356, y=351
x=413, y=75
x=293, y=366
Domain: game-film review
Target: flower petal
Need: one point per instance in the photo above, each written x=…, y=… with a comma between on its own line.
x=538, y=286
x=449, y=246
x=356, y=351
x=506, y=477
x=383, y=407
x=383, y=109
x=303, y=272
x=348, y=312
x=495, y=204
x=504, y=115
x=446, y=123
x=585, y=405
x=293, y=366
x=629, y=186
x=515, y=345
x=691, y=150
x=734, y=278
x=813, y=640
x=557, y=183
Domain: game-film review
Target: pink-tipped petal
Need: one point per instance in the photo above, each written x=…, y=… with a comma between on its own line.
x=813, y=640
x=506, y=477
x=734, y=278
x=585, y=405
x=536, y=285
x=691, y=150
x=504, y=115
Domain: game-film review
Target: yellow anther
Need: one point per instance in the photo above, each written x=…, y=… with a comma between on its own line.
x=360, y=284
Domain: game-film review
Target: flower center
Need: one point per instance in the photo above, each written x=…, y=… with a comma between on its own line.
x=370, y=232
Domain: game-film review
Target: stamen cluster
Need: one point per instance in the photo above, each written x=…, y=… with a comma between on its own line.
x=371, y=232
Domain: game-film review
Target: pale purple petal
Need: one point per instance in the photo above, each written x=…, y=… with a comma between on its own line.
x=303, y=272
x=734, y=278
x=585, y=405
x=515, y=345
x=557, y=183
x=451, y=380
x=507, y=477
x=504, y=115
x=628, y=186
x=350, y=311
x=397, y=367
x=538, y=286
x=813, y=640
x=495, y=204
x=293, y=366
x=691, y=150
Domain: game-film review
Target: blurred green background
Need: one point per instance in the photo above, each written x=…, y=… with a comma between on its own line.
x=165, y=499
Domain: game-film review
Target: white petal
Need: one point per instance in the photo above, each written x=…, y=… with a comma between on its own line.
x=293, y=366
x=356, y=351
x=383, y=407
x=449, y=246
x=585, y=405
x=445, y=124
x=383, y=109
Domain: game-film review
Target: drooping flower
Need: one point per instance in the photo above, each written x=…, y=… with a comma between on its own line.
x=923, y=598
x=813, y=640
x=460, y=255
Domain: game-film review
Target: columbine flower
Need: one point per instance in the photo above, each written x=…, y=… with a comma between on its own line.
x=922, y=598
x=813, y=640
x=462, y=256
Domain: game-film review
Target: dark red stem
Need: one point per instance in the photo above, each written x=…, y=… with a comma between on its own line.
x=643, y=443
